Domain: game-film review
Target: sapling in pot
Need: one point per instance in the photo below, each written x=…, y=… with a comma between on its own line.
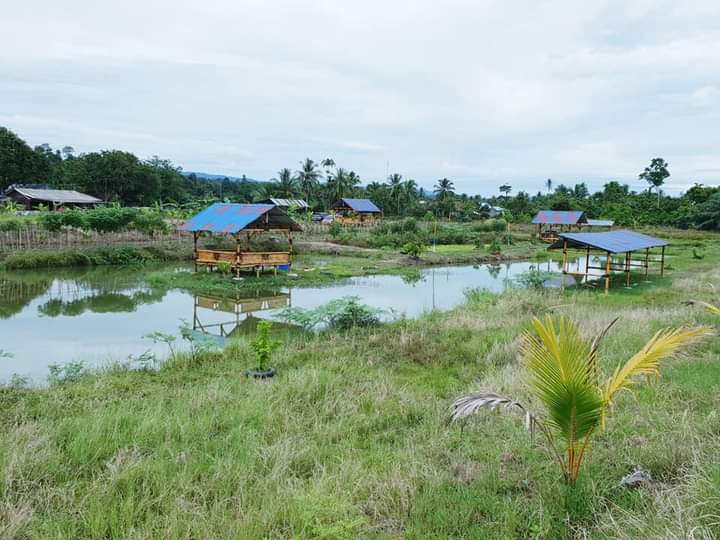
x=263, y=346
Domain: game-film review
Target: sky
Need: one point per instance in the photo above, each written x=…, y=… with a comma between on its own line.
x=481, y=92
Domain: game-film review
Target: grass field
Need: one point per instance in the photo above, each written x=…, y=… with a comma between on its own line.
x=351, y=439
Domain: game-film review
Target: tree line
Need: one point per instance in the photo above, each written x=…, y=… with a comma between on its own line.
x=119, y=176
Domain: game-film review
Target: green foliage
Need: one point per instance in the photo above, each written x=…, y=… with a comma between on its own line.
x=200, y=343
x=534, y=278
x=66, y=373
x=495, y=246
x=340, y=314
x=335, y=229
x=120, y=255
x=224, y=267
x=414, y=249
x=264, y=345
x=106, y=220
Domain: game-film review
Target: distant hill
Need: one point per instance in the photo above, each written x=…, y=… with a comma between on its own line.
x=220, y=177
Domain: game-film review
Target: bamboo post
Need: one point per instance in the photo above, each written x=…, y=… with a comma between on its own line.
x=662, y=262
x=195, y=248
x=607, y=272
x=238, y=255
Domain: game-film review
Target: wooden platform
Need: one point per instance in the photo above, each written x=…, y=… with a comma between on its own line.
x=242, y=260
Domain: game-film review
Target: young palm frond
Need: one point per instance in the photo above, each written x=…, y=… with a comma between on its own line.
x=563, y=369
x=664, y=344
x=715, y=310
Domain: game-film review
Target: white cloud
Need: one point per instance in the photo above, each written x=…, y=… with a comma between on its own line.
x=481, y=91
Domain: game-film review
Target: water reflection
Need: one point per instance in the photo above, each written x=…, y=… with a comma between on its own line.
x=241, y=310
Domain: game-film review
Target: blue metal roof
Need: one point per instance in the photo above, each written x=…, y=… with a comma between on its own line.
x=558, y=217
x=362, y=205
x=600, y=222
x=226, y=217
x=611, y=241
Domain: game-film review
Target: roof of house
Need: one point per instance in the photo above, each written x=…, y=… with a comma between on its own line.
x=57, y=196
x=286, y=203
x=621, y=241
x=600, y=222
x=233, y=217
x=559, y=217
x=362, y=205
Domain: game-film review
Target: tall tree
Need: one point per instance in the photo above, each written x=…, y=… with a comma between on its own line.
x=444, y=189
x=396, y=191
x=308, y=178
x=655, y=175
x=505, y=189
x=285, y=184
x=548, y=185
x=20, y=164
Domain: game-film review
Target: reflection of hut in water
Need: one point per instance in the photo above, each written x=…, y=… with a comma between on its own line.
x=241, y=308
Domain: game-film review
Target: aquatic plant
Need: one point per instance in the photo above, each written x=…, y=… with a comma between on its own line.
x=564, y=375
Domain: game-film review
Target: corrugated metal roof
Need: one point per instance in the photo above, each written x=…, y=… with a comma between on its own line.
x=362, y=205
x=600, y=222
x=57, y=196
x=558, y=217
x=233, y=217
x=286, y=203
x=613, y=241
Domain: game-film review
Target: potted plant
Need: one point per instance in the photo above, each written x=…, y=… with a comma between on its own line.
x=263, y=346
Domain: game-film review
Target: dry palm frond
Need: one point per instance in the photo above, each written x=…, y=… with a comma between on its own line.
x=470, y=404
x=595, y=346
x=664, y=344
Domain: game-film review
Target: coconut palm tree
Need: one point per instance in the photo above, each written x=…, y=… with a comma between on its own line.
x=505, y=189
x=308, y=178
x=548, y=184
x=565, y=377
x=285, y=184
x=444, y=189
x=396, y=191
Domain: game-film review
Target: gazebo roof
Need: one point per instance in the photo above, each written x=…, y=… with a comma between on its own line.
x=622, y=241
x=234, y=217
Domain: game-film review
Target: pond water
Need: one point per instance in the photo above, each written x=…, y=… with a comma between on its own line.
x=100, y=315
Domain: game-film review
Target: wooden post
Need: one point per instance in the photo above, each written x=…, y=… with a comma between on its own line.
x=238, y=255
x=607, y=272
x=628, y=263
x=587, y=263
x=195, y=248
x=662, y=262
x=565, y=257
x=647, y=262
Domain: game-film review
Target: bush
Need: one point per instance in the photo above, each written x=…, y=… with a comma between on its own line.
x=413, y=249
x=335, y=229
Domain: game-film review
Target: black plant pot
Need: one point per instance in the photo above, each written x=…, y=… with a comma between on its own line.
x=260, y=373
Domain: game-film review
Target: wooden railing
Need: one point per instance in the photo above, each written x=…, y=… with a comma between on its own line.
x=245, y=259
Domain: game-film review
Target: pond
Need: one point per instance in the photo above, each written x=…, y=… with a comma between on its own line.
x=100, y=315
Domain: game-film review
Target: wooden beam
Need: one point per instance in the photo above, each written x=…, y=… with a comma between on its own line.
x=607, y=271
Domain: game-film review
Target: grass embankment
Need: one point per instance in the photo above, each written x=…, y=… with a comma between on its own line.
x=114, y=255
x=350, y=440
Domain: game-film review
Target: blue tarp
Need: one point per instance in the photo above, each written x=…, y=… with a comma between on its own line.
x=362, y=205
x=600, y=222
x=611, y=241
x=226, y=217
x=558, y=217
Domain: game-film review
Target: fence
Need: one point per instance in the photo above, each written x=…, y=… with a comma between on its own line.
x=36, y=237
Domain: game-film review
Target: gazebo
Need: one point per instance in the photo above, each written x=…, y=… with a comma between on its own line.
x=612, y=243
x=242, y=222
x=355, y=211
x=551, y=222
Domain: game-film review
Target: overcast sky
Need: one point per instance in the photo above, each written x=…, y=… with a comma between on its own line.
x=482, y=92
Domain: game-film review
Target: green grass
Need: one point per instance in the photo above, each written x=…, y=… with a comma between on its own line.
x=350, y=440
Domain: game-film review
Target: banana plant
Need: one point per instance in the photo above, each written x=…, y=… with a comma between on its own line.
x=564, y=375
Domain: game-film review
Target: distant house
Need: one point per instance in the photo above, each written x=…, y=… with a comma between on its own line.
x=600, y=223
x=287, y=203
x=355, y=211
x=55, y=199
x=488, y=210
x=551, y=222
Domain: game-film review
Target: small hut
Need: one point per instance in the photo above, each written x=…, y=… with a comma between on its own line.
x=550, y=223
x=55, y=199
x=243, y=222
x=600, y=224
x=287, y=203
x=356, y=212
x=612, y=243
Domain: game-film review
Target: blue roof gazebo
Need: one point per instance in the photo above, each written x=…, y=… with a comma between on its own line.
x=550, y=221
x=235, y=219
x=612, y=243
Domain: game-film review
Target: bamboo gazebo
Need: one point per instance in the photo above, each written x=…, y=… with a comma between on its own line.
x=242, y=222
x=613, y=243
x=550, y=223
